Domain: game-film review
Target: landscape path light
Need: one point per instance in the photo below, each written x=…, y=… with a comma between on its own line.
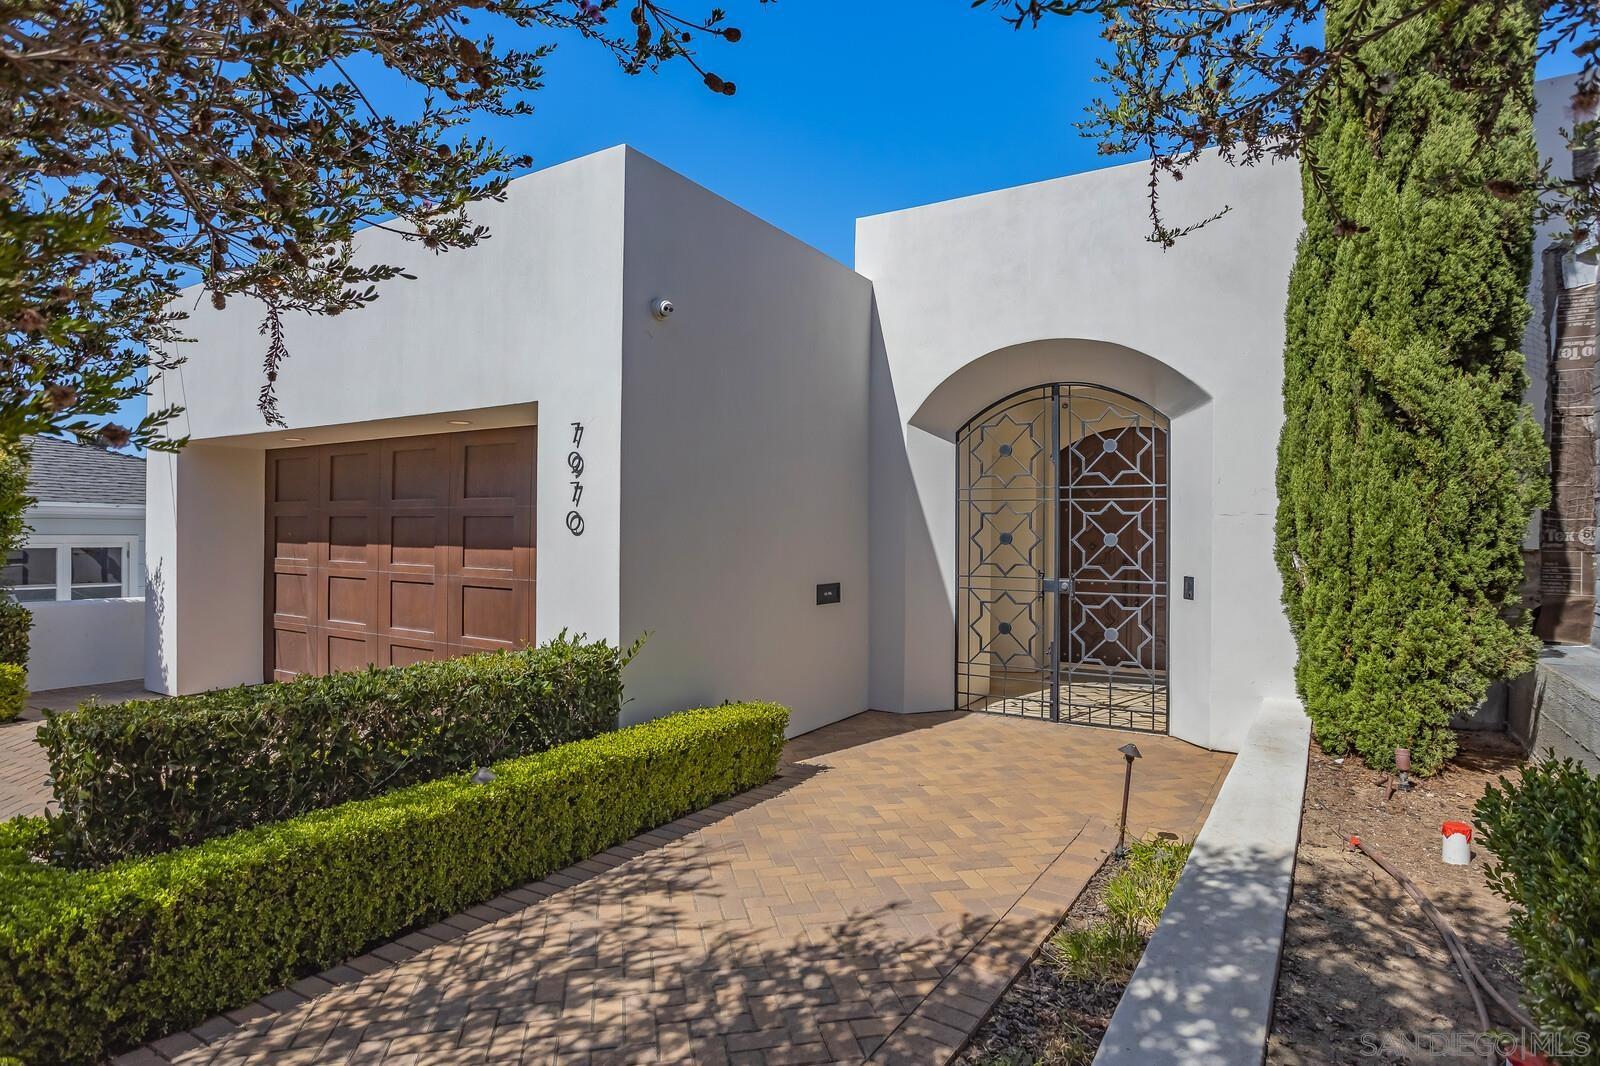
x=1130, y=752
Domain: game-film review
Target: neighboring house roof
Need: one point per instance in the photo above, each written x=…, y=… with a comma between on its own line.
x=63, y=472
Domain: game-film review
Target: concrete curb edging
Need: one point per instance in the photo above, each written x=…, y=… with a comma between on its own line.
x=1202, y=994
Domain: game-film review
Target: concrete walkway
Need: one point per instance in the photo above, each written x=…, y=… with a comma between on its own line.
x=1202, y=993
x=871, y=902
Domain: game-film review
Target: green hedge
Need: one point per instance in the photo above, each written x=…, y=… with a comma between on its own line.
x=13, y=690
x=1544, y=832
x=92, y=961
x=145, y=776
x=15, y=622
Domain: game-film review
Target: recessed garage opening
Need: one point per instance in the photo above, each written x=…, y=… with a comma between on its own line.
x=1061, y=613
x=392, y=551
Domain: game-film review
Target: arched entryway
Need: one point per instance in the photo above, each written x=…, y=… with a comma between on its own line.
x=1061, y=585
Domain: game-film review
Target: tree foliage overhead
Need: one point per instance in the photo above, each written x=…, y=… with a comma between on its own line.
x=1255, y=79
x=150, y=142
x=1409, y=465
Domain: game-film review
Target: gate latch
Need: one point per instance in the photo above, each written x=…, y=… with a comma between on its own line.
x=1058, y=584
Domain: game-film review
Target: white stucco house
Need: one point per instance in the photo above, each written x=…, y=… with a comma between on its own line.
x=80, y=570
x=1019, y=459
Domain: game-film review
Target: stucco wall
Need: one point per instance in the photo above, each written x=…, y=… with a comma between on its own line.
x=724, y=450
x=744, y=459
x=530, y=317
x=85, y=642
x=978, y=297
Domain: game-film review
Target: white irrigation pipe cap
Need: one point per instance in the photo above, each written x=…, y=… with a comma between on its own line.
x=1457, y=848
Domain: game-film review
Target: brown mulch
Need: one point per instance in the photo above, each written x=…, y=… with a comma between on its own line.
x=1365, y=978
x=1046, y=1018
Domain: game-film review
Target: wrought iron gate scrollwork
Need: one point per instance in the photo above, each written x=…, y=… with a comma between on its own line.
x=1062, y=498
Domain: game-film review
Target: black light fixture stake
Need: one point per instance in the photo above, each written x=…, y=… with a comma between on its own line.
x=1130, y=752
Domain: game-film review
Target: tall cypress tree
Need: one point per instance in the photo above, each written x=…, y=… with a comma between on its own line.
x=1409, y=464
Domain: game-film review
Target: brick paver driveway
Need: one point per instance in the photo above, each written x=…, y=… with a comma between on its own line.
x=872, y=901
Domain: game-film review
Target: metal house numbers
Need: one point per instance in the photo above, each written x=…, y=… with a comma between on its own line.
x=575, y=466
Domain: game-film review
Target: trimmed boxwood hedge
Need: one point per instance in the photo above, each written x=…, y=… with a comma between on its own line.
x=92, y=961
x=13, y=690
x=145, y=776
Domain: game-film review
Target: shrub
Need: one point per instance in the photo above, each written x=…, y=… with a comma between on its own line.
x=144, y=776
x=95, y=960
x=15, y=619
x=1108, y=948
x=1409, y=464
x=13, y=690
x=15, y=622
x=1544, y=832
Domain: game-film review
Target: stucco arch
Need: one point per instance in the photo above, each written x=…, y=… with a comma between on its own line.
x=920, y=494
x=987, y=378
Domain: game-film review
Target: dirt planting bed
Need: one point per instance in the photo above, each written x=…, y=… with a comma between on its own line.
x=1057, y=1011
x=1365, y=978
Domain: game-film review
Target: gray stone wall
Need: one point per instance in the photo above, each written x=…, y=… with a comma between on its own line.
x=1561, y=717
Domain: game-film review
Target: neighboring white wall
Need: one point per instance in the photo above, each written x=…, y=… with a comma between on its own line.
x=88, y=642
x=116, y=521
x=65, y=525
x=1055, y=281
x=85, y=642
x=744, y=471
x=531, y=316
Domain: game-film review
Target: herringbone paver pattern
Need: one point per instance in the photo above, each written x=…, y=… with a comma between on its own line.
x=871, y=902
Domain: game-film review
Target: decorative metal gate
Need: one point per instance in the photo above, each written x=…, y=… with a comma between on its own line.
x=1061, y=613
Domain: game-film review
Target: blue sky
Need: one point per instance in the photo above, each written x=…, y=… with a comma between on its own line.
x=844, y=109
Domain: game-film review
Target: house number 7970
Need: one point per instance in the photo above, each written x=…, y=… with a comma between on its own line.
x=575, y=466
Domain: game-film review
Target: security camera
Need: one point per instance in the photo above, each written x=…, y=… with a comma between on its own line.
x=662, y=309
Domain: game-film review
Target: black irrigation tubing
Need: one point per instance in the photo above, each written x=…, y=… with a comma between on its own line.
x=1472, y=975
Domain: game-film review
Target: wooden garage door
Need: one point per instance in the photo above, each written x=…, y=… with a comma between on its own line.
x=398, y=550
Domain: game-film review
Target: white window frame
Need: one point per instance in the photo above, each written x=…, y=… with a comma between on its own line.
x=132, y=561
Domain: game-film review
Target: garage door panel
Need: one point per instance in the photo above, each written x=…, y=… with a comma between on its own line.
x=350, y=474
x=293, y=595
x=292, y=477
x=413, y=607
x=350, y=540
x=492, y=542
x=290, y=539
x=348, y=599
x=294, y=651
x=416, y=542
x=396, y=651
x=416, y=473
x=391, y=552
x=342, y=651
x=492, y=468
x=487, y=613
